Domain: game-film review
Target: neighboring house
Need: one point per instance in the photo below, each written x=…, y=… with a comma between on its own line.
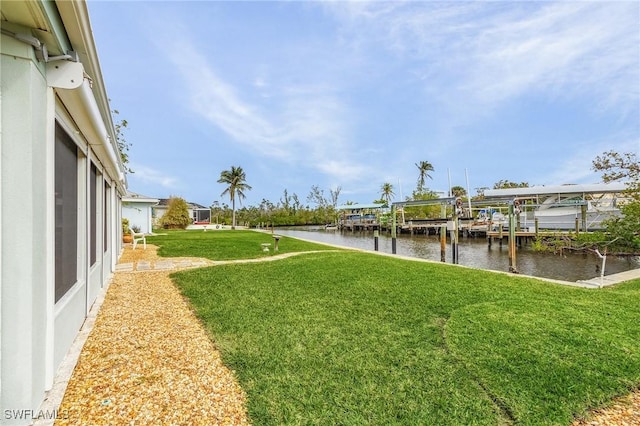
x=197, y=212
x=61, y=183
x=138, y=209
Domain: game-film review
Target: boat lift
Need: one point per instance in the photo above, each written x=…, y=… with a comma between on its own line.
x=517, y=200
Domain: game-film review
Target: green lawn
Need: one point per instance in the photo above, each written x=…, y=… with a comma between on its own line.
x=356, y=338
x=226, y=245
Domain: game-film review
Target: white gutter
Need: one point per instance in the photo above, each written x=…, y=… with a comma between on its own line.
x=89, y=101
x=82, y=106
x=77, y=26
x=62, y=75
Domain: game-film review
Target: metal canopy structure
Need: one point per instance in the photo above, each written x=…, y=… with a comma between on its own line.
x=430, y=202
x=508, y=195
x=563, y=190
x=359, y=206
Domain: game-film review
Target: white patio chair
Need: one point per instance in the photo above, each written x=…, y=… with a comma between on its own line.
x=139, y=236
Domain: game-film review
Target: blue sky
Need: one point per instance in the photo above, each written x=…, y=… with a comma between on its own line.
x=353, y=94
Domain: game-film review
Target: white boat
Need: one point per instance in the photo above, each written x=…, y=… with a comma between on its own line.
x=560, y=215
x=558, y=206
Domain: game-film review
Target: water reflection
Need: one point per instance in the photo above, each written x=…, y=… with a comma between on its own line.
x=476, y=253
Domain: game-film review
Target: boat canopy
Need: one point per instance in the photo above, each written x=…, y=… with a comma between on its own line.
x=592, y=188
x=357, y=207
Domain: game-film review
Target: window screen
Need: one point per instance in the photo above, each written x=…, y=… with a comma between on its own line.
x=105, y=221
x=66, y=212
x=93, y=194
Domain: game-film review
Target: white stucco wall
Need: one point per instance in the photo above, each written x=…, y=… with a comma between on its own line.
x=158, y=212
x=138, y=214
x=35, y=330
x=26, y=255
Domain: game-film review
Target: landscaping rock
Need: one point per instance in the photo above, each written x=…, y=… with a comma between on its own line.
x=149, y=361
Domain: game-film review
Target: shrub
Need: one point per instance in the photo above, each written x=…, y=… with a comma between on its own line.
x=177, y=215
x=125, y=226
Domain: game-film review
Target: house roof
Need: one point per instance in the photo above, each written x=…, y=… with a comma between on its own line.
x=133, y=197
x=164, y=202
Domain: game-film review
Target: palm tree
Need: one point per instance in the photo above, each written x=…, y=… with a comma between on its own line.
x=424, y=167
x=236, y=181
x=458, y=191
x=386, y=192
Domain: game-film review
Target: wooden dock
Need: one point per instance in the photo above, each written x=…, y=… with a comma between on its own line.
x=505, y=233
x=364, y=225
x=423, y=226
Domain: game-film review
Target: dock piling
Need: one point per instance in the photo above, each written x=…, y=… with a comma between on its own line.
x=454, y=237
x=512, y=239
x=443, y=235
x=394, y=229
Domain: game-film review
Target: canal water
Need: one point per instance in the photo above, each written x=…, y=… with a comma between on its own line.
x=476, y=253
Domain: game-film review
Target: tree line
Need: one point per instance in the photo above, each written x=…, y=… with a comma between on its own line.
x=320, y=207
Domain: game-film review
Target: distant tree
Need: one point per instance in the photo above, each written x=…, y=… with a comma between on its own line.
x=297, y=205
x=123, y=145
x=286, y=200
x=235, y=179
x=616, y=167
x=316, y=195
x=335, y=193
x=424, y=195
x=504, y=184
x=267, y=205
x=458, y=191
x=422, y=211
x=386, y=192
x=480, y=192
x=424, y=167
x=626, y=229
x=325, y=209
x=177, y=215
x=215, y=210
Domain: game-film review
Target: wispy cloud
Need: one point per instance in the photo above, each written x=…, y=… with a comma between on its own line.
x=304, y=124
x=563, y=50
x=369, y=88
x=148, y=174
x=486, y=54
